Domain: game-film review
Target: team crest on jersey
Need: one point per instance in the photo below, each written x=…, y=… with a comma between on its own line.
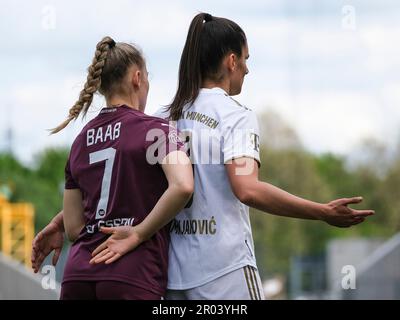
x=173, y=137
x=255, y=141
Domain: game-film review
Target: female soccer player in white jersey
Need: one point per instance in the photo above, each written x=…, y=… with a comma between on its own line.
x=223, y=137
x=211, y=251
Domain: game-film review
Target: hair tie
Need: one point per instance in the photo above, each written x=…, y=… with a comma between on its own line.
x=112, y=43
x=207, y=17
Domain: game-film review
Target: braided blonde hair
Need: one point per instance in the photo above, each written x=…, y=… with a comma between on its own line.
x=109, y=66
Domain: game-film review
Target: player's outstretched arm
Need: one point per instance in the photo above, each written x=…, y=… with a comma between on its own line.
x=178, y=171
x=243, y=176
x=49, y=239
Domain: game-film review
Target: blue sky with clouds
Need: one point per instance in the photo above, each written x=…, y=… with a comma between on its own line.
x=329, y=67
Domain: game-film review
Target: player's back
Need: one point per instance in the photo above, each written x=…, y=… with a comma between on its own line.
x=120, y=186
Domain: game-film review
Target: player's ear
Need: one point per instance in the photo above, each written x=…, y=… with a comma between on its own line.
x=136, y=78
x=230, y=61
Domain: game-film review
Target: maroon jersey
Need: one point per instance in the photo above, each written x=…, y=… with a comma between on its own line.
x=114, y=162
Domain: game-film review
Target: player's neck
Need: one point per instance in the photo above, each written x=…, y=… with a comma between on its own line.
x=118, y=101
x=223, y=84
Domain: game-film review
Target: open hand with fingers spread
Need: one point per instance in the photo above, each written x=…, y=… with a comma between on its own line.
x=340, y=215
x=122, y=240
x=49, y=239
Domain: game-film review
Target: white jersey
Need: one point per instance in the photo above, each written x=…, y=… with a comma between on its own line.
x=212, y=236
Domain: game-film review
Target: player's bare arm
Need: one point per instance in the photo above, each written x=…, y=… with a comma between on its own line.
x=73, y=213
x=268, y=198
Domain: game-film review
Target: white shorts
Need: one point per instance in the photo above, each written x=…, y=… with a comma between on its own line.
x=240, y=284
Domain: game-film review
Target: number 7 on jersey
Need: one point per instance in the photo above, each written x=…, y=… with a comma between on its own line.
x=107, y=155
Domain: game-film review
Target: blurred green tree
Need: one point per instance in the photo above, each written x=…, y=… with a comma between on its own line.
x=40, y=185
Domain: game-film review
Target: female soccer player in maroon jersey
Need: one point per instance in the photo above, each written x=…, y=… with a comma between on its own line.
x=124, y=169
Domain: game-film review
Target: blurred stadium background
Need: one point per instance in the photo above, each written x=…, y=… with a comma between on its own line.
x=323, y=81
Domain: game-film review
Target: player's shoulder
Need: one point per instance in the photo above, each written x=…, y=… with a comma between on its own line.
x=227, y=107
x=156, y=122
x=82, y=134
x=238, y=104
x=233, y=109
x=162, y=112
x=234, y=113
x=135, y=118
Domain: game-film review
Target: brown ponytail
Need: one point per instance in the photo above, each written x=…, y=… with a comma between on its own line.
x=189, y=69
x=209, y=39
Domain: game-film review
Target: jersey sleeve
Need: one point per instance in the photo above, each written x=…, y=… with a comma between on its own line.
x=70, y=182
x=161, y=139
x=241, y=137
